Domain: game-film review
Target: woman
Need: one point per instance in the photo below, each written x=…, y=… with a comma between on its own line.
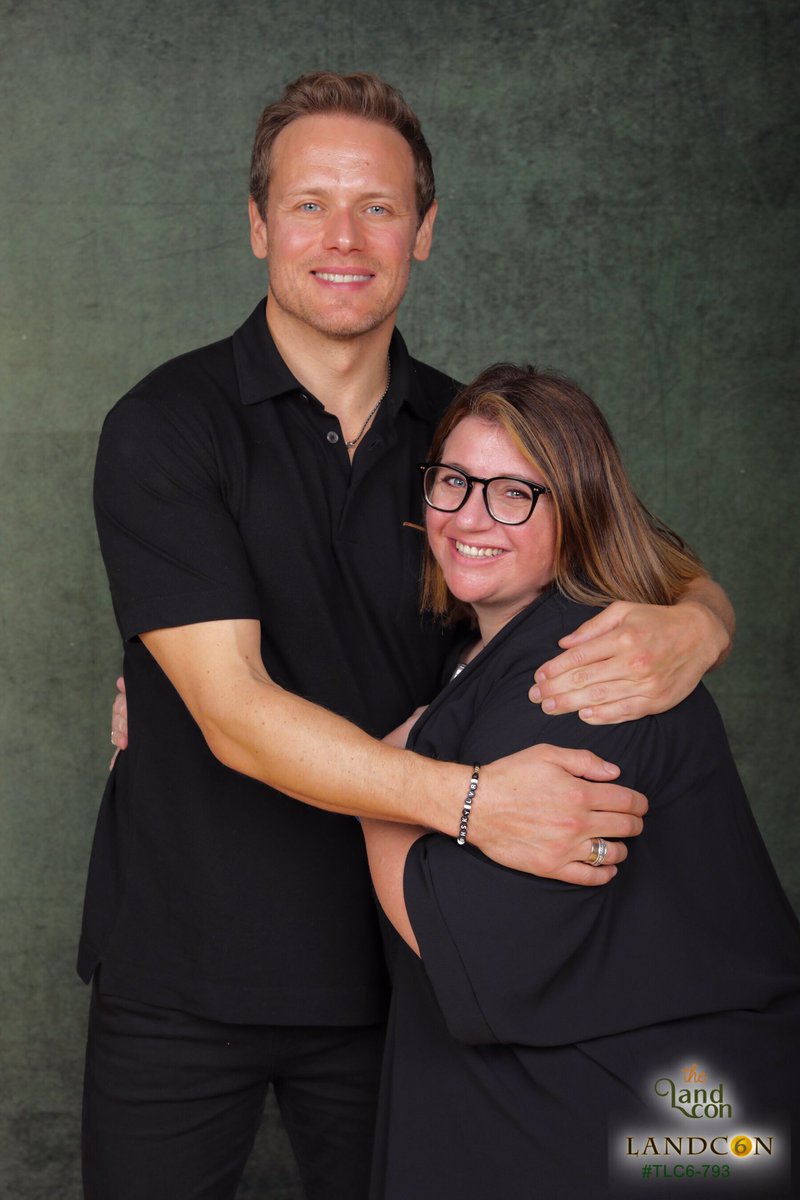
x=535, y=1024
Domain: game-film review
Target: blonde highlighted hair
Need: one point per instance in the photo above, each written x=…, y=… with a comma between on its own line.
x=608, y=545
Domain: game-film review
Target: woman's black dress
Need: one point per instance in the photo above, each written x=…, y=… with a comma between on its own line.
x=532, y=1049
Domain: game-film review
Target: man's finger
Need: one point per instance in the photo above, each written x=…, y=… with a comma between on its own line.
x=615, y=852
x=583, y=764
x=613, y=798
x=623, y=700
x=585, y=875
x=555, y=700
x=613, y=825
x=603, y=622
x=595, y=654
x=616, y=711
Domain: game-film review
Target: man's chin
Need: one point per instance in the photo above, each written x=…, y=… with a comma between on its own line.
x=341, y=324
x=345, y=332
x=347, y=325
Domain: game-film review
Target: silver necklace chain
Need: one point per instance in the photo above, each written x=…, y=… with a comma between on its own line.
x=372, y=411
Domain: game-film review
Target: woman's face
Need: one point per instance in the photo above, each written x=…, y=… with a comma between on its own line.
x=497, y=569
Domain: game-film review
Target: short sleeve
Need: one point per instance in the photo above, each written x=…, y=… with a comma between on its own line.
x=693, y=923
x=171, y=546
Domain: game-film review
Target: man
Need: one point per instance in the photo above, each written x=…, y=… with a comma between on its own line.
x=256, y=503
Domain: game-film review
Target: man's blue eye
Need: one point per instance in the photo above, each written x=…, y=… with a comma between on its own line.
x=309, y=206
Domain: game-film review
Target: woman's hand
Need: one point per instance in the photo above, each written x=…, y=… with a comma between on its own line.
x=119, y=721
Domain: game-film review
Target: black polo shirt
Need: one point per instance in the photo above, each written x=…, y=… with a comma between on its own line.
x=222, y=490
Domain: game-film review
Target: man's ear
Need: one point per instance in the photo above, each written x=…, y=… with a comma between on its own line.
x=258, y=230
x=422, y=244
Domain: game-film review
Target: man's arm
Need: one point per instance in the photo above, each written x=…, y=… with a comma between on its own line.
x=632, y=660
x=536, y=811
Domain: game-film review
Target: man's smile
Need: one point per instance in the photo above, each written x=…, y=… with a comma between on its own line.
x=340, y=277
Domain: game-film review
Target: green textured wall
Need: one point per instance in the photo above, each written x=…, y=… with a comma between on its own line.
x=618, y=199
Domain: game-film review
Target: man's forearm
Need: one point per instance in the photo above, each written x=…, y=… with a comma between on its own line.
x=704, y=591
x=322, y=759
x=534, y=812
x=531, y=812
x=257, y=728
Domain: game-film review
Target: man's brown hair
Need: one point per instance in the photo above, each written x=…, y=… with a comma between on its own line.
x=361, y=94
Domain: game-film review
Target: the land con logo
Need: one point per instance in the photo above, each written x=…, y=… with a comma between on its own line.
x=706, y=1131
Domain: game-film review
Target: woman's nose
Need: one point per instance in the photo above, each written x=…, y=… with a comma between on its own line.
x=474, y=514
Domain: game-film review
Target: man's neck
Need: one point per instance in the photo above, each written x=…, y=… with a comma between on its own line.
x=347, y=375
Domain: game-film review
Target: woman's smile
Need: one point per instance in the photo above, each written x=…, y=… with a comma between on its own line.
x=470, y=551
x=497, y=569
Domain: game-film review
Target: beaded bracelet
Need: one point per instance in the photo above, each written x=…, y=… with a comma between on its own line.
x=473, y=787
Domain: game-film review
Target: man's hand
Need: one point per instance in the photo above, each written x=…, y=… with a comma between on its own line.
x=538, y=810
x=119, y=721
x=632, y=660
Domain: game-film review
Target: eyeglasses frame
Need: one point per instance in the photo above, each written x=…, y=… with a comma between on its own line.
x=538, y=490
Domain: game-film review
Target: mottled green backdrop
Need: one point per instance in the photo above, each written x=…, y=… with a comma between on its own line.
x=619, y=195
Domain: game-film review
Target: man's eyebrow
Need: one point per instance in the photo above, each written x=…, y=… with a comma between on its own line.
x=320, y=187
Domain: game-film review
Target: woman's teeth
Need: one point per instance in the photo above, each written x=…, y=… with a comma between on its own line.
x=477, y=551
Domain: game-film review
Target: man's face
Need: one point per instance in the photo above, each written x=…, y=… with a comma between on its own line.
x=341, y=225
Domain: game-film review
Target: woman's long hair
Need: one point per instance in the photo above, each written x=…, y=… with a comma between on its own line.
x=608, y=546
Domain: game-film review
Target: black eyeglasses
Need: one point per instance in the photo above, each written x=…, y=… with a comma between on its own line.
x=508, y=500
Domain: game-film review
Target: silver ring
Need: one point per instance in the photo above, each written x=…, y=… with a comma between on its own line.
x=598, y=852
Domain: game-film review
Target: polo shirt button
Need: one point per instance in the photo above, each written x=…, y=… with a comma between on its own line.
x=332, y=436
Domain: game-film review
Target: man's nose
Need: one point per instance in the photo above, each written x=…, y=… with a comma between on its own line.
x=344, y=231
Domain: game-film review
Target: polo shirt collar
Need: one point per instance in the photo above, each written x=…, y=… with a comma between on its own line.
x=263, y=375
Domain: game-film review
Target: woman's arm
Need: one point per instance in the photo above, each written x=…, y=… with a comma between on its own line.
x=387, y=847
x=399, y=736
x=516, y=958
x=388, y=844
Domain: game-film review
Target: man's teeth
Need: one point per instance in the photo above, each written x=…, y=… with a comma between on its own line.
x=331, y=278
x=477, y=551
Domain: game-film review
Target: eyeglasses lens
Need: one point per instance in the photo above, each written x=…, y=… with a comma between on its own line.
x=445, y=488
x=510, y=501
